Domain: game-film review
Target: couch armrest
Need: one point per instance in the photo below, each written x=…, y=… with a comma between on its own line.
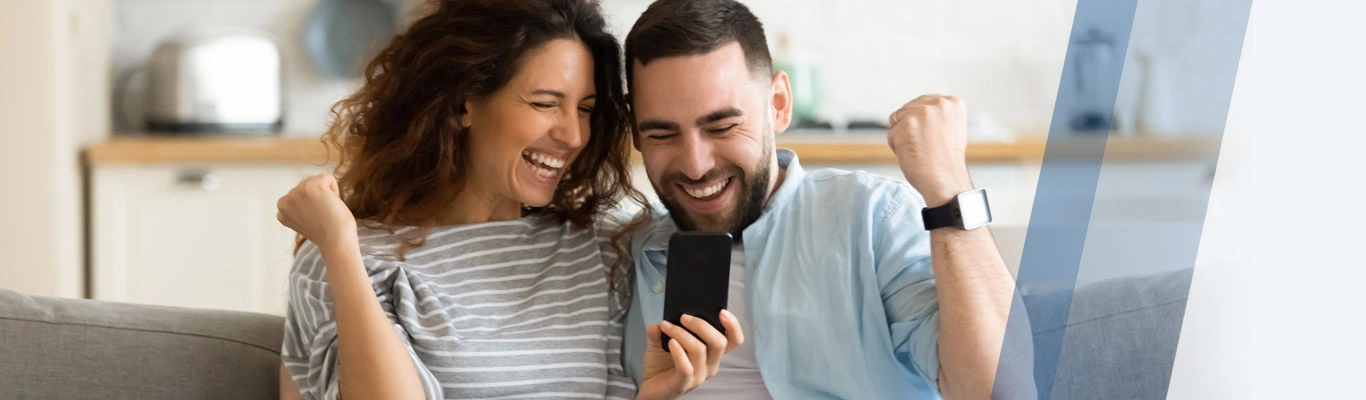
x=69, y=348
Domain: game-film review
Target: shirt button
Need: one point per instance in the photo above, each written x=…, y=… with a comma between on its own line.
x=658, y=288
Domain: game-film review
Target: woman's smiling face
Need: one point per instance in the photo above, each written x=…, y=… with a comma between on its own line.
x=524, y=135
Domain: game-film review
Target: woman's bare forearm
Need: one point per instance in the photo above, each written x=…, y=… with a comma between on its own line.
x=373, y=362
x=289, y=390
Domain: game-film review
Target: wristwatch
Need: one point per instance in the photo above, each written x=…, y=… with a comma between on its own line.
x=968, y=210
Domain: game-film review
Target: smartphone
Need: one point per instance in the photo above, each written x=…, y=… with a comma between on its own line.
x=697, y=278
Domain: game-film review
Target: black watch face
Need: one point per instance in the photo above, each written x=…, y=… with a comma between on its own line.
x=974, y=208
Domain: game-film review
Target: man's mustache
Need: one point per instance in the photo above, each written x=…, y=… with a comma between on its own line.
x=709, y=176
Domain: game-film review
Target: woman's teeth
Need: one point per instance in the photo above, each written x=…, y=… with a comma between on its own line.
x=707, y=191
x=544, y=172
x=548, y=161
x=541, y=164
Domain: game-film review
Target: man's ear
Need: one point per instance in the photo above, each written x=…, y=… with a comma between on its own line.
x=631, y=120
x=782, y=102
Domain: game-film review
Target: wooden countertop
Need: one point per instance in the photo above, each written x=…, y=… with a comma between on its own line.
x=813, y=149
x=208, y=150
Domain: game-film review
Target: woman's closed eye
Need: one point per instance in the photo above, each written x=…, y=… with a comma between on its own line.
x=551, y=106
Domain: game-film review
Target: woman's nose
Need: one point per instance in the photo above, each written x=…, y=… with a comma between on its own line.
x=572, y=131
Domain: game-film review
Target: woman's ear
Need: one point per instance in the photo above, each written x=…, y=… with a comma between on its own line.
x=465, y=114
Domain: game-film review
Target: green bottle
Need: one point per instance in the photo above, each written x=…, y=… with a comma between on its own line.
x=804, y=77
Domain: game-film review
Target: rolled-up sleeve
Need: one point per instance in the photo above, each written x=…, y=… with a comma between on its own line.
x=906, y=277
x=309, y=349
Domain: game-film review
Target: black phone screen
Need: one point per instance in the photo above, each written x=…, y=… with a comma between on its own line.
x=698, y=278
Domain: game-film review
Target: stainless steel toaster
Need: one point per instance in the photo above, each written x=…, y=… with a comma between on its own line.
x=215, y=81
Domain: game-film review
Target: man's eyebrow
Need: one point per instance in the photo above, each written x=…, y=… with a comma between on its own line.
x=719, y=115
x=654, y=124
x=706, y=119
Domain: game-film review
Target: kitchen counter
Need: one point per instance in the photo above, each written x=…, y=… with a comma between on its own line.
x=213, y=149
x=872, y=148
x=814, y=148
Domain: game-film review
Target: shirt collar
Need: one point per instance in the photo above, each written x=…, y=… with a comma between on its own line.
x=663, y=227
x=787, y=159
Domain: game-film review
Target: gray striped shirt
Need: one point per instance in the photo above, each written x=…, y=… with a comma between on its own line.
x=512, y=309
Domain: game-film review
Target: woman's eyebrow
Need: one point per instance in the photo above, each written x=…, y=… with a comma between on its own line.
x=555, y=93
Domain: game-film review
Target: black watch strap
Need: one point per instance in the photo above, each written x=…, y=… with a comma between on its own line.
x=941, y=217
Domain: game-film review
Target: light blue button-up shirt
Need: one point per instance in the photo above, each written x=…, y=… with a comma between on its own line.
x=838, y=283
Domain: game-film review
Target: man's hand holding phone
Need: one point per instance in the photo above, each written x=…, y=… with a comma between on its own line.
x=694, y=317
x=694, y=354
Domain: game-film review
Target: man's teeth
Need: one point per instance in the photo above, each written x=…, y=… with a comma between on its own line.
x=546, y=160
x=707, y=191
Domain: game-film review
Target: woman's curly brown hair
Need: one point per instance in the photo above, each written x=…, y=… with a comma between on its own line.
x=402, y=146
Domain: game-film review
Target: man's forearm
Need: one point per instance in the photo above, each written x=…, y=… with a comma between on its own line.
x=974, y=290
x=929, y=137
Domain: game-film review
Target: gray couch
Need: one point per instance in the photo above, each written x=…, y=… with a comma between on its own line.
x=1119, y=345
x=84, y=349
x=1120, y=339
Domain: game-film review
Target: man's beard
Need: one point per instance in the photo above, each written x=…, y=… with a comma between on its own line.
x=748, y=208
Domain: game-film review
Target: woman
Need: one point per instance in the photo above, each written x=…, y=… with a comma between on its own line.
x=480, y=156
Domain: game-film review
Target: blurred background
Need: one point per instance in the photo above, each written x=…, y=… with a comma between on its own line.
x=146, y=141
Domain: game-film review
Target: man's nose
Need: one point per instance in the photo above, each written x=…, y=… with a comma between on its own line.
x=697, y=158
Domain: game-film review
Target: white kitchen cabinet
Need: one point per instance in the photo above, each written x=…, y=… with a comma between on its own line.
x=192, y=235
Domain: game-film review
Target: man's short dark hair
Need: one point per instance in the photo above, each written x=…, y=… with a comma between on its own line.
x=672, y=28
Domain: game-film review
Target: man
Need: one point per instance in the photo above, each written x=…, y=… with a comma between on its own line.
x=835, y=280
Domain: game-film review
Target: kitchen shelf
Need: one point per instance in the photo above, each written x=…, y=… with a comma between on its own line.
x=814, y=148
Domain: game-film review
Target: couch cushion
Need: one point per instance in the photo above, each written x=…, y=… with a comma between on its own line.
x=1120, y=339
x=67, y=348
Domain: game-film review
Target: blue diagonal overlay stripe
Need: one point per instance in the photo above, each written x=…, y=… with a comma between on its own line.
x=1121, y=198
x=1067, y=182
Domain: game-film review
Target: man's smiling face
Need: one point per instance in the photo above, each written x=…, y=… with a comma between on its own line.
x=705, y=129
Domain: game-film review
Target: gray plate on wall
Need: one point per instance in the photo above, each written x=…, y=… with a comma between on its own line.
x=341, y=35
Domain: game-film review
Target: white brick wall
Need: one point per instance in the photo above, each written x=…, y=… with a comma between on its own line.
x=1004, y=57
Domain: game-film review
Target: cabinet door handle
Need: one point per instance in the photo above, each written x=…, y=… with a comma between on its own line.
x=205, y=180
